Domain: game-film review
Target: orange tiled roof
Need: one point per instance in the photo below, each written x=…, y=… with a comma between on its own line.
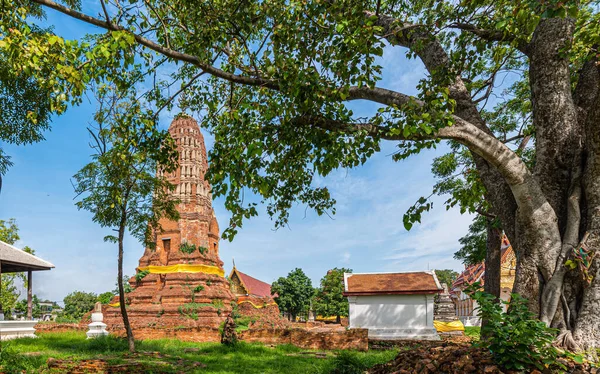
x=391, y=283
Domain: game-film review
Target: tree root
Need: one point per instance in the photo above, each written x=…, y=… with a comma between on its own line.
x=565, y=340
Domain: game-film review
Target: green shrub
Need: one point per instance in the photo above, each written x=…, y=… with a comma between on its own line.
x=243, y=323
x=141, y=275
x=516, y=339
x=106, y=297
x=198, y=288
x=187, y=248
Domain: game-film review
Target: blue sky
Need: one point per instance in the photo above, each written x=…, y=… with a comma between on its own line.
x=365, y=235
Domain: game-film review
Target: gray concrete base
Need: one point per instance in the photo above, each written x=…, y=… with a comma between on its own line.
x=17, y=329
x=425, y=333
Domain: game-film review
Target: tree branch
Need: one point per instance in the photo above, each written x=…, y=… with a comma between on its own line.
x=250, y=81
x=489, y=35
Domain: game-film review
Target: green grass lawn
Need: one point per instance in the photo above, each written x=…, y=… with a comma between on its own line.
x=31, y=355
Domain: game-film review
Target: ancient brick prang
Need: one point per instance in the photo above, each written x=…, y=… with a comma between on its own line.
x=180, y=283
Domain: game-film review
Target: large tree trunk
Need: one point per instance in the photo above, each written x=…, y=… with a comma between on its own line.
x=565, y=167
x=493, y=261
x=493, y=264
x=587, y=327
x=122, y=305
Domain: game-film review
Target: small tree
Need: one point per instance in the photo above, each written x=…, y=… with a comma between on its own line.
x=329, y=298
x=447, y=276
x=121, y=185
x=293, y=292
x=126, y=285
x=78, y=303
x=106, y=297
x=36, y=310
x=9, y=233
x=8, y=294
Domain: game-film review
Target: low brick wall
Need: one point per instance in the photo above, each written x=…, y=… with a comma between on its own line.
x=316, y=338
x=188, y=334
x=310, y=339
x=59, y=327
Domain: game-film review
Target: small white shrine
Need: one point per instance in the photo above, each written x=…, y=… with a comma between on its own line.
x=393, y=306
x=97, y=327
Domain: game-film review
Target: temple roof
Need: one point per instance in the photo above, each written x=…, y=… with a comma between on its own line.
x=409, y=283
x=14, y=260
x=252, y=285
x=476, y=273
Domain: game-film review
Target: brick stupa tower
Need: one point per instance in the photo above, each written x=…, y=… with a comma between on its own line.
x=184, y=285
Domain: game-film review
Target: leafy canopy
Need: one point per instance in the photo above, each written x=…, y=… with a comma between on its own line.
x=121, y=186
x=9, y=231
x=106, y=297
x=447, y=276
x=274, y=81
x=9, y=294
x=293, y=292
x=329, y=299
x=78, y=303
x=36, y=310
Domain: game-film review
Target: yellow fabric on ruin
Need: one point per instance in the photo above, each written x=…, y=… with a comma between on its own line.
x=448, y=326
x=183, y=268
x=115, y=305
x=256, y=306
x=321, y=318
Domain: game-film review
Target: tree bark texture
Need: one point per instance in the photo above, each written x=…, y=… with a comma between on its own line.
x=493, y=262
x=29, y=296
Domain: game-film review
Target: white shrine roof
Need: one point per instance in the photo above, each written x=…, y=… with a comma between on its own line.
x=13, y=259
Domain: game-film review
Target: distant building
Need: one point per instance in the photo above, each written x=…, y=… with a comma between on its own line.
x=47, y=309
x=466, y=308
x=249, y=290
x=393, y=306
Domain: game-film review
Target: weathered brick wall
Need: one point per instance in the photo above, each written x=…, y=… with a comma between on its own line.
x=317, y=338
x=59, y=327
x=188, y=334
x=311, y=339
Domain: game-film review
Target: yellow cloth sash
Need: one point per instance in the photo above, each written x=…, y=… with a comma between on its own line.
x=115, y=305
x=448, y=326
x=183, y=268
x=322, y=318
x=254, y=305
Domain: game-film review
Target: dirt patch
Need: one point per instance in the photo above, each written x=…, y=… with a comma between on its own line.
x=321, y=339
